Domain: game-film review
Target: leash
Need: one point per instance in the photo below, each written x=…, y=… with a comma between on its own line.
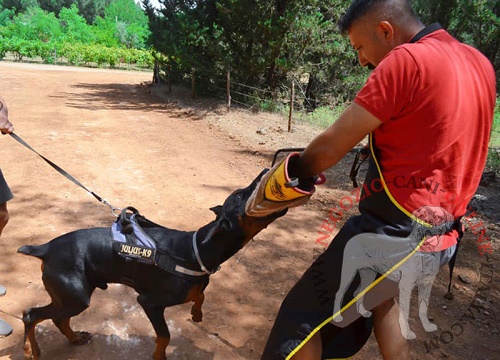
x=66, y=175
x=356, y=163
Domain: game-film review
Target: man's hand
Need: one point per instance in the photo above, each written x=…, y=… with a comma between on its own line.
x=278, y=191
x=6, y=126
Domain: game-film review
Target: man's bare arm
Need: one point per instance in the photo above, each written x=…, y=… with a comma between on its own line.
x=331, y=145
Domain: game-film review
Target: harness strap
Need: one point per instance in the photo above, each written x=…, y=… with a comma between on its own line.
x=167, y=262
x=355, y=166
x=134, y=243
x=451, y=264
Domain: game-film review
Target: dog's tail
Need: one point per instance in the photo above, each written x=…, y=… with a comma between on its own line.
x=38, y=251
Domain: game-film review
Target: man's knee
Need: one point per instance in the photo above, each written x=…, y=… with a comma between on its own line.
x=311, y=349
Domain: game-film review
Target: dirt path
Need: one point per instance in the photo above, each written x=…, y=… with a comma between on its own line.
x=173, y=159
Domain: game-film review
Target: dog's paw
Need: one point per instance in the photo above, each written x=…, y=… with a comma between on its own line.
x=429, y=327
x=409, y=335
x=159, y=355
x=197, y=315
x=365, y=313
x=31, y=353
x=82, y=337
x=338, y=318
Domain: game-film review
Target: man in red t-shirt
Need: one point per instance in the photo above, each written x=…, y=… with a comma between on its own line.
x=428, y=109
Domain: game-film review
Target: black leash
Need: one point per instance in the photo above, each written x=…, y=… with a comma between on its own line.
x=65, y=174
x=457, y=225
x=356, y=163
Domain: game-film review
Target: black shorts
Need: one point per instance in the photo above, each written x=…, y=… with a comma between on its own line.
x=308, y=307
x=5, y=193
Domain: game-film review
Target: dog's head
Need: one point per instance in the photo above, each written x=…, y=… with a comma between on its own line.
x=233, y=225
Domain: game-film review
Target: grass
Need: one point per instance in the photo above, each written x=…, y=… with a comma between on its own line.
x=495, y=132
x=493, y=160
x=322, y=117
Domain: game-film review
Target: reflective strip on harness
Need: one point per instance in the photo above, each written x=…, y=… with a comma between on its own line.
x=142, y=238
x=142, y=247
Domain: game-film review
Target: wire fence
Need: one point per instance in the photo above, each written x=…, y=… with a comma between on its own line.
x=292, y=101
x=251, y=97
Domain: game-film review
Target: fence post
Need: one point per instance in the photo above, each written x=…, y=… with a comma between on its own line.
x=228, y=89
x=156, y=72
x=169, y=75
x=193, y=83
x=292, y=95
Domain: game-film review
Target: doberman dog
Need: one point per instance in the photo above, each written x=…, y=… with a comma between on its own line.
x=76, y=263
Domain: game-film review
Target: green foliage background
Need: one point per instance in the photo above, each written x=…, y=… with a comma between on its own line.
x=106, y=32
x=269, y=44
x=266, y=44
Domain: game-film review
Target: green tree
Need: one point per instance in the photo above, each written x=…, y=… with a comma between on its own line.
x=181, y=32
x=6, y=16
x=19, y=6
x=263, y=47
x=34, y=24
x=124, y=23
x=89, y=9
x=74, y=26
x=475, y=22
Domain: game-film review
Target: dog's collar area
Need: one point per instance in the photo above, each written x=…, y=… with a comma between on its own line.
x=198, y=258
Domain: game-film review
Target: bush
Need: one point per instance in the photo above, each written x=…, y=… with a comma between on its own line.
x=75, y=53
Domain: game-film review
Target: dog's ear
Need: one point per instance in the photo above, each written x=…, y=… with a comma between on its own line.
x=217, y=209
x=224, y=224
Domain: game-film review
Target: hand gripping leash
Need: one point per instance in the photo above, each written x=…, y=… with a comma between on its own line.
x=115, y=211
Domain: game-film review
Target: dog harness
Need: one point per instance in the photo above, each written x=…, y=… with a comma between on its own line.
x=131, y=240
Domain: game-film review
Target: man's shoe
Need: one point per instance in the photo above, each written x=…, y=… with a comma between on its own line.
x=3, y=290
x=5, y=329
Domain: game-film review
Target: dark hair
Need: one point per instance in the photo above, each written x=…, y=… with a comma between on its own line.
x=396, y=10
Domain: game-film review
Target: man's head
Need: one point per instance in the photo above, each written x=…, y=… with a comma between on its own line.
x=375, y=27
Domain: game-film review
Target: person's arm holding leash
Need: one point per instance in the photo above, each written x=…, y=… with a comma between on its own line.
x=6, y=126
x=5, y=194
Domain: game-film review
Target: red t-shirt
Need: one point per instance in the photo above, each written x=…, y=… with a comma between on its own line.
x=435, y=98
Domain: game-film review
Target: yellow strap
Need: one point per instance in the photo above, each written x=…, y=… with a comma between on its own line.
x=356, y=298
x=382, y=277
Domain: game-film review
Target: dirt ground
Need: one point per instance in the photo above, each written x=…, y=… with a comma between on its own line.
x=173, y=158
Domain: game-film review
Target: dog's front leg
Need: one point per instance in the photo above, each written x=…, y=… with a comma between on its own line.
x=155, y=315
x=367, y=276
x=196, y=309
x=424, y=294
x=349, y=270
x=406, y=285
